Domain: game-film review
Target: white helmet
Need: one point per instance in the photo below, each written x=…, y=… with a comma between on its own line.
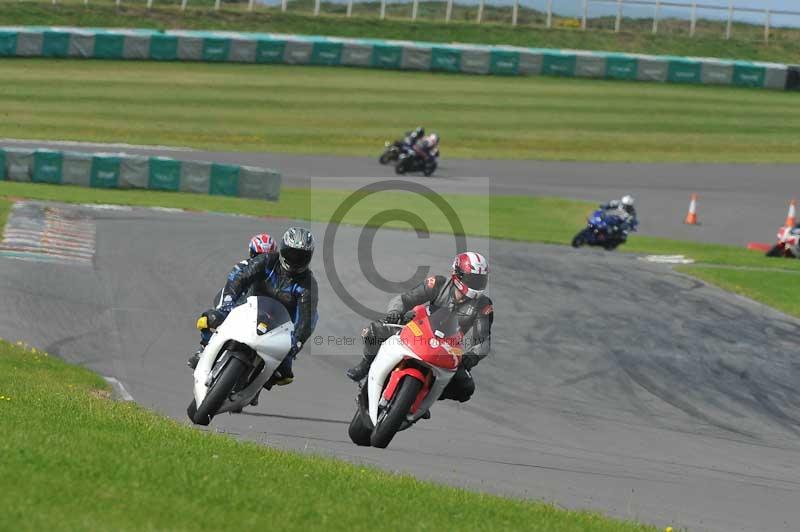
x=627, y=200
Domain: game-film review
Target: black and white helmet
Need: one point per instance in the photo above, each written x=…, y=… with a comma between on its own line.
x=296, y=249
x=626, y=202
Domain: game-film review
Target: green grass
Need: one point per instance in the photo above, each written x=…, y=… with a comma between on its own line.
x=352, y=111
x=75, y=460
x=5, y=207
x=498, y=216
x=778, y=289
x=527, y=218
x=636, y=37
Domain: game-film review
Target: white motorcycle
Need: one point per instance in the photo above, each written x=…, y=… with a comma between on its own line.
x=408, y=375
x=240, y=358
x=788, y=244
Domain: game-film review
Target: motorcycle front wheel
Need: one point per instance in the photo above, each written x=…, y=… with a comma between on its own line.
x=219, y=391
x=396, y=412
x=388, y=156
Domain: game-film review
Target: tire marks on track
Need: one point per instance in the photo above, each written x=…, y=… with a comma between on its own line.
x=44, y=233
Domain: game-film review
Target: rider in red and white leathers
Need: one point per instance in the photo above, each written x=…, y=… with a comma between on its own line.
x=463, y=292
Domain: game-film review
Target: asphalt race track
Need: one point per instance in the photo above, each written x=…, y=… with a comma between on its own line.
x=737, y=203
x=614, y=384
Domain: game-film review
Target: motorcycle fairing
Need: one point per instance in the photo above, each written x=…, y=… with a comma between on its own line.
x=243, y=325
x=392, y=353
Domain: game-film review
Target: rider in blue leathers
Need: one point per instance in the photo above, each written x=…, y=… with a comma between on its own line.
x=624, y=210
x=283, y=276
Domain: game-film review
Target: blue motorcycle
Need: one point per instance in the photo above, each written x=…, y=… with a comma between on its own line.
x=604, y=230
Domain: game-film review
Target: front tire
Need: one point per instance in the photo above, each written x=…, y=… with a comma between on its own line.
x=400, y=169
x=430, y=168
x=219, y=391
x=398, y=409
x=387, y=157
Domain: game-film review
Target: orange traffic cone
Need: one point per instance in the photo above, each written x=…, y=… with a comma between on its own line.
x=691, y=218
x=790, y=218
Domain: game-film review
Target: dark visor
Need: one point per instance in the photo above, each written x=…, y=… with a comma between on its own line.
x=296, y=258
x=475, y=281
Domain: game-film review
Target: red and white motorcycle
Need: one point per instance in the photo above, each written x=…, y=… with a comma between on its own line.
x=788, y=244
x=408, y=375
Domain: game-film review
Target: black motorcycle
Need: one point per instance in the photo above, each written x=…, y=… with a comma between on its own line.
x=413, y=162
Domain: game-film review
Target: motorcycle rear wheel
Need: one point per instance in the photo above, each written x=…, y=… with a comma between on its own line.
x=775, y=251
x=219, y=391
x=580, y=239
x=430, y=168
x=360, y=428
x=359, y=432
x=398, y=409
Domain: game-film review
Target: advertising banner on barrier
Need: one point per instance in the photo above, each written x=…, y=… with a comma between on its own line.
x=120, y=170
x=8, y=43
x=47, y=166
x=185, y=45
x=105, y=171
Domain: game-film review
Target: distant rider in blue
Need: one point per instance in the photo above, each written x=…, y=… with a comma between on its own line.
x=624, y=210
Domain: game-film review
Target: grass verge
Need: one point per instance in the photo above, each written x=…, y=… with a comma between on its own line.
x=778, y=289
x=66, y=446
x=352, y=111
x=5, y=207
x=636, y=37
x=528, y=219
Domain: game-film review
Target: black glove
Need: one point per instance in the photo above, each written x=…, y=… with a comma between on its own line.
x=210, y=319
x=394, y=316
x=469, y=361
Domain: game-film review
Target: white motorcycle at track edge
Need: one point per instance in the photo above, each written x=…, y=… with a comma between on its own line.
x=240, y=358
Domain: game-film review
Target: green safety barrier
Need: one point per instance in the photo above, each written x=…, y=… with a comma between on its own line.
x=212, y=46
x=103, y=170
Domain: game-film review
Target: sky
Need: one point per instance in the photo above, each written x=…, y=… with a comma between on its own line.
x=575, y=8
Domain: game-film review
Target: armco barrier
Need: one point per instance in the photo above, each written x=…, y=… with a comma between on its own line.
x=208, y=46
x=119, y=170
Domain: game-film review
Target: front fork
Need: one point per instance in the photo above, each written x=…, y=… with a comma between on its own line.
x=410, y=371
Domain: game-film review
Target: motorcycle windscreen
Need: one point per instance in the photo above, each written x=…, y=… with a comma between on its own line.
x=444, y=324
x=270, y=315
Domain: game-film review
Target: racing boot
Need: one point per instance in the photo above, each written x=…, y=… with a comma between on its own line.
x=360, y=371
x=195, y=358
x=205, y=336
x=284, y=374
